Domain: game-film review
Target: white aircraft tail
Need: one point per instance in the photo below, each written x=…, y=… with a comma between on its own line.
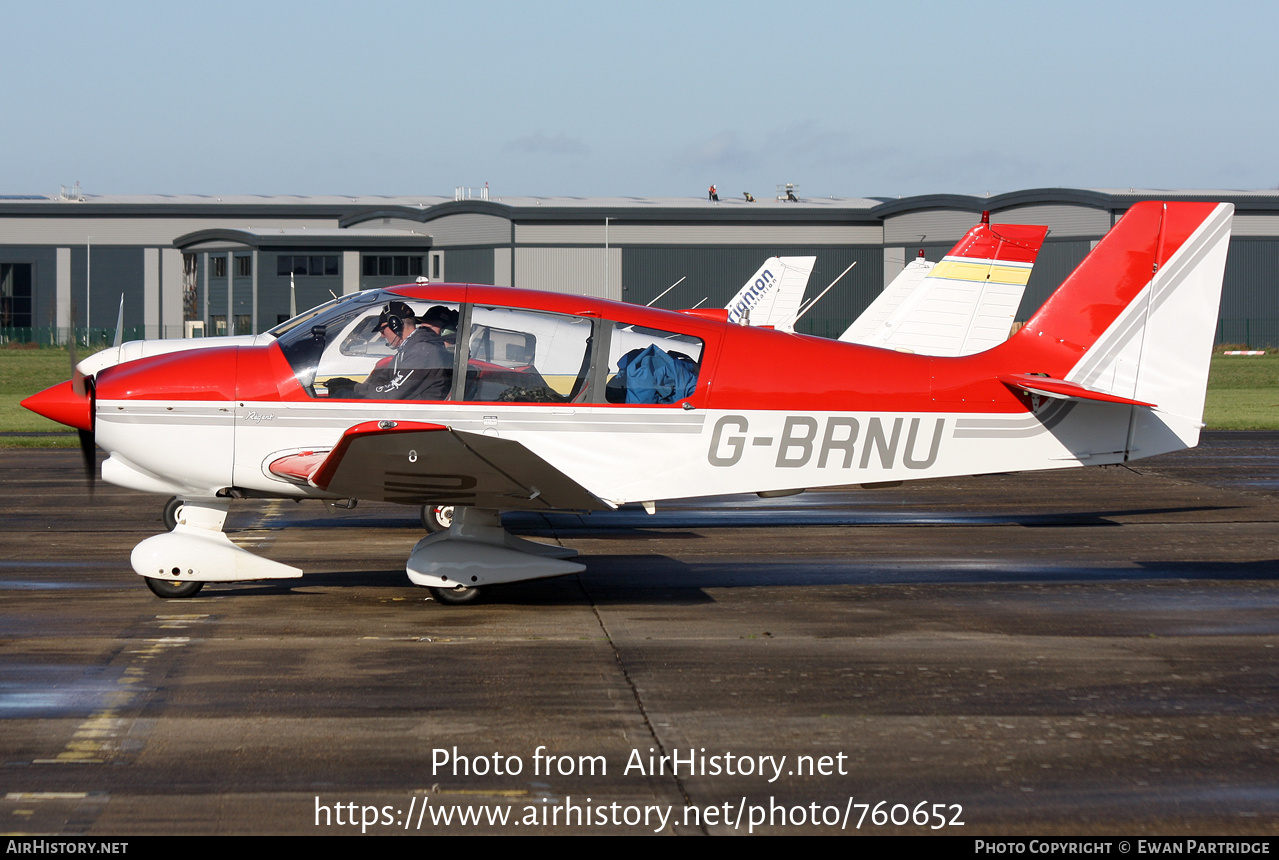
x=962, y=305
x=872, y=327
x=773, y=294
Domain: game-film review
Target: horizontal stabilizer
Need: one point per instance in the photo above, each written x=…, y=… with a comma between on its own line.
x=1060, y=389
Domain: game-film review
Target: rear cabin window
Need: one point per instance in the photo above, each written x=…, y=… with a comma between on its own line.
x=650, y=366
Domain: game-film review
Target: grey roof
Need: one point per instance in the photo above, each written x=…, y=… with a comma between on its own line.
x=347, y=210
x=302, y=237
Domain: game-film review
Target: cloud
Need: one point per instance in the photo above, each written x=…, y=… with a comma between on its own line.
x=721, y=152
x=539, y=144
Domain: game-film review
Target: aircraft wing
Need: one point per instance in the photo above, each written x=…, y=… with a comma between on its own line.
x=415, y=463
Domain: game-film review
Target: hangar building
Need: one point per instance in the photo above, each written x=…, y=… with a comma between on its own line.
x=216, y=265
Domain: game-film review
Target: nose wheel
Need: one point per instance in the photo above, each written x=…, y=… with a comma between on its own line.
x=172, y=508
x=459, y=596
x=173, y=590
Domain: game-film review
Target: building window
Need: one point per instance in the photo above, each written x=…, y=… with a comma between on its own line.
x=313, y=265
x=219, y=267
x=435, y=266
x=190, y=279
x=244, y=324
x=244, y=267
x=15, y=295
x=219, y=324
x=398, y=266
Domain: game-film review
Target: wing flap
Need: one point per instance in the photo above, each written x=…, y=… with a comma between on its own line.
x=430, y=464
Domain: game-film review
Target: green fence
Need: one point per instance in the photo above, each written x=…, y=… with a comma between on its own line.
x=1252, y=332
x=85, y=337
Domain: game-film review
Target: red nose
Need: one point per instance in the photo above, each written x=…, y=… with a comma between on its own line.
x=60, y=403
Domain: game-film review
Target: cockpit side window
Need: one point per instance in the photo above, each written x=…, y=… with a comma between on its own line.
x=650, y=366
x=523, y=356
x=349, y=353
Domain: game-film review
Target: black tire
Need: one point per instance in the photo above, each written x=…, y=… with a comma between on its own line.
x=459, y=596
x=171, y=589
x=437, y=518
x=171, y=509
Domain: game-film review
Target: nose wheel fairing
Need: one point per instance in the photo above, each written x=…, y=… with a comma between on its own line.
x=197, y=550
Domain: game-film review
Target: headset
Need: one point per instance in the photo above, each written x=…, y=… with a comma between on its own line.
x=393, y=317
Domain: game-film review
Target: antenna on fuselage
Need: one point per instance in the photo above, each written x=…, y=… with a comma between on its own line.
x=119, y=323
x=667, y=290
x=808, y=307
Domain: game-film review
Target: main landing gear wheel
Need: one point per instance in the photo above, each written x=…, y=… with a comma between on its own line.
x=171, y=510
x=172, y=589
x=458, y=596
x=437, y=518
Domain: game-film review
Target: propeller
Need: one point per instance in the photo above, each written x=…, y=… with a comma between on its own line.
x=83, y=387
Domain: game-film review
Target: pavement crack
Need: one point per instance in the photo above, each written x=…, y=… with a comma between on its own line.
x=639, y=700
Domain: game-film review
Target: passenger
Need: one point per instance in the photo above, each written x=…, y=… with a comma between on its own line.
x=423, y=366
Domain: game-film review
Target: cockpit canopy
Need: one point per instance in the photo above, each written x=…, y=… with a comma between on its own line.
x=500, y=353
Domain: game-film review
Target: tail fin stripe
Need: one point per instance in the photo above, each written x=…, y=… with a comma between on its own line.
x=1132, y=319
x=1042, y=421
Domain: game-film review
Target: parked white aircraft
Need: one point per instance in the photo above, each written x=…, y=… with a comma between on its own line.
x=962, y=305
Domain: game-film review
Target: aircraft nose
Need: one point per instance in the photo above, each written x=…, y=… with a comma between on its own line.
x=62, y=404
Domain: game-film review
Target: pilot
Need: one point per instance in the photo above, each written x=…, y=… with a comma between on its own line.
x=423, y=366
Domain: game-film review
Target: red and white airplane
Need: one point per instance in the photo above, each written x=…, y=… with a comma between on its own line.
x=563, y=402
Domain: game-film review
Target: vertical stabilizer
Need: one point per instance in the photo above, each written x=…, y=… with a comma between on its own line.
x=773, y=294
x=1136, y=319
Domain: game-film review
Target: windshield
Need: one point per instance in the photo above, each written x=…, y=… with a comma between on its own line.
x=306, y=316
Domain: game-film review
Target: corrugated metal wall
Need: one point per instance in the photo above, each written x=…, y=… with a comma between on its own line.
x=1055, y=263
x=1266, y=226
x=716, y=274
x=1065, y=220
x=676, y=233
x=468, y=229
x=469, y=266
x=929, y=225
x=1250, y=294
x=584, y=271
x=115, y=270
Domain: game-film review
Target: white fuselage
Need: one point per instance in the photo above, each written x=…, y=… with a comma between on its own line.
x=620, y=453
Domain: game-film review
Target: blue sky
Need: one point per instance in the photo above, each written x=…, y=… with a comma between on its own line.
x=643, y=99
